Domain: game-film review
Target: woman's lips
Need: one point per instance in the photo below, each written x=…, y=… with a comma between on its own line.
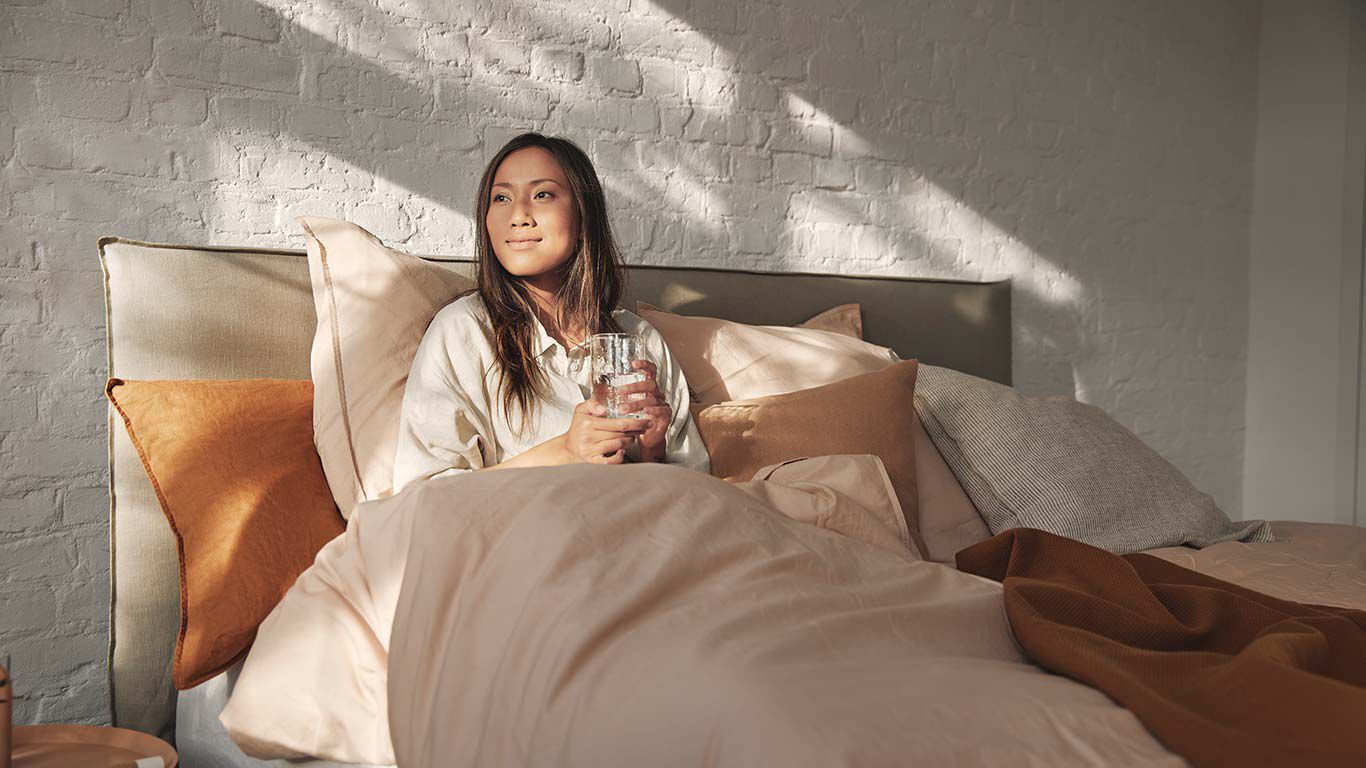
x=523, y=243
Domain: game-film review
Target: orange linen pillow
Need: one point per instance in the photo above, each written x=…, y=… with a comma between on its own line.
x=725, y=360
x=374, y=305
x=233, y=465
x=870, y=413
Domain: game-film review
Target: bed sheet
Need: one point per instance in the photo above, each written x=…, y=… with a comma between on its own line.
x=203, y=742
x=1318, y=563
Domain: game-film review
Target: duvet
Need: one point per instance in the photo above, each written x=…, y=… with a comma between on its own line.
x=652, y=615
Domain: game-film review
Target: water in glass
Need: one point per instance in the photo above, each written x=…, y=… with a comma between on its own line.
x=612, y=354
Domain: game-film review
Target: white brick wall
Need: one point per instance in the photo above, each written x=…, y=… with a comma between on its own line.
x=1099, y=152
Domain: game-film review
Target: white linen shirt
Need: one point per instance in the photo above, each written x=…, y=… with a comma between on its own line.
x=452, y=419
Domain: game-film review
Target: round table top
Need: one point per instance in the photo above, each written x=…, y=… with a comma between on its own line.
x=96, y=746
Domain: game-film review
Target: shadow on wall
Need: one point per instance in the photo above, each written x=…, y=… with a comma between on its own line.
x=761, y=149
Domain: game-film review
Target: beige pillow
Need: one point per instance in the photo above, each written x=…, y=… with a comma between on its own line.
x=374, y=305
x=948, y=520
x=725, y=360
x=846, y=320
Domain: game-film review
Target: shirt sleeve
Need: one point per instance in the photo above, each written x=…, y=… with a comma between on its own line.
x=444, y=425
x=682, y=444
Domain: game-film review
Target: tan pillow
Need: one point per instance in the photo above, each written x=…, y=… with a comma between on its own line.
x=374, y=304
x=870, y=413
x=233, y=465
x=725, y=360
x=846, y=320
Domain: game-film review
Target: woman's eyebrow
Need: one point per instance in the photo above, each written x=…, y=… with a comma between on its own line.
x=533, y=181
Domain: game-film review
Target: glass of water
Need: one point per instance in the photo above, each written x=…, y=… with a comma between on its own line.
x=611, y=355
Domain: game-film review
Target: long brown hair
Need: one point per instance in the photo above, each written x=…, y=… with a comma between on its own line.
x=593, y=282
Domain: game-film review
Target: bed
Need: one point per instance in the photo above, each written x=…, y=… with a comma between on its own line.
x=193, y=312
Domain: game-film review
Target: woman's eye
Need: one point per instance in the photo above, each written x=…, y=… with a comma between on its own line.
x=499, y=198
x=543, y=192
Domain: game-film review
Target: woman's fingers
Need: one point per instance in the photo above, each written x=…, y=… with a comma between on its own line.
x=590, y=407
x=615, y=457
x=640, y=403
x=619, y=425
x=649, y=385
x=611, y=445
x=646, y=367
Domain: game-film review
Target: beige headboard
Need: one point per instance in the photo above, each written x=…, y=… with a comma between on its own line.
x=192, y=312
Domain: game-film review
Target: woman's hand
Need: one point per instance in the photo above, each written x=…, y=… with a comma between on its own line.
x=645, y=396
x=598, y=440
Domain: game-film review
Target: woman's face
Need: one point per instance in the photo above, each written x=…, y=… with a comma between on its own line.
x=532, y=218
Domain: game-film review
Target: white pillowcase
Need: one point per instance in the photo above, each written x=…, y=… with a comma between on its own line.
x=374, y=305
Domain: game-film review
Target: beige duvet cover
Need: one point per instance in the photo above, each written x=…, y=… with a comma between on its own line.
x=650, y=615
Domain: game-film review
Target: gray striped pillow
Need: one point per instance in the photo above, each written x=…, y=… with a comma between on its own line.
x=1065, y=467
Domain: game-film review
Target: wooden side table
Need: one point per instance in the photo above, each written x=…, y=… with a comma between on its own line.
x=93, y=746
x=96, y=746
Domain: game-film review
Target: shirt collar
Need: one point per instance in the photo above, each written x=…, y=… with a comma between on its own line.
x=545, y=342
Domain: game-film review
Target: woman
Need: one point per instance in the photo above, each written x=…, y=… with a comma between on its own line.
x=501, y=377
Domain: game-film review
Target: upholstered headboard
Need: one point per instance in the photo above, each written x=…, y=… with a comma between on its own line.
x=192, y=312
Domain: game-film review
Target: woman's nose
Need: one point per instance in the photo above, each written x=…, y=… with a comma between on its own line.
x=521, y=215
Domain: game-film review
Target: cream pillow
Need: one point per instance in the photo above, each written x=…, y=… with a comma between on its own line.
x=725, y=360
x=846, y=320
x=374, y=304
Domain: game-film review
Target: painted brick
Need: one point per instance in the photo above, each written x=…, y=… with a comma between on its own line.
x=30, y=512
x=41, y=148
x=550, y=64
x=37, y=559
x=177, y=106
x=252, y=68
x=128, y=154
x=19, y=406
x=93, y=45
x=28, y=609
x=85, y=505
x=104, y=9
x=87, y=98
x=248, y=20
x=18, y=302
x=502, y=57
x=449, y=47
x=256, y=115
x=613, y=74
x=52, y=456
x=80, y=300
x=316, y=123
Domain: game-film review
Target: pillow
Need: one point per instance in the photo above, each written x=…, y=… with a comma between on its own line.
x=235, y=471
x=373, y=304
x=1065, y=467
x=947, y=520
x=846, y=320
x=869, y=413
x=725, y=360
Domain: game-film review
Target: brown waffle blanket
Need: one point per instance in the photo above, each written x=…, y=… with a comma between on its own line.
x=1222, y=675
